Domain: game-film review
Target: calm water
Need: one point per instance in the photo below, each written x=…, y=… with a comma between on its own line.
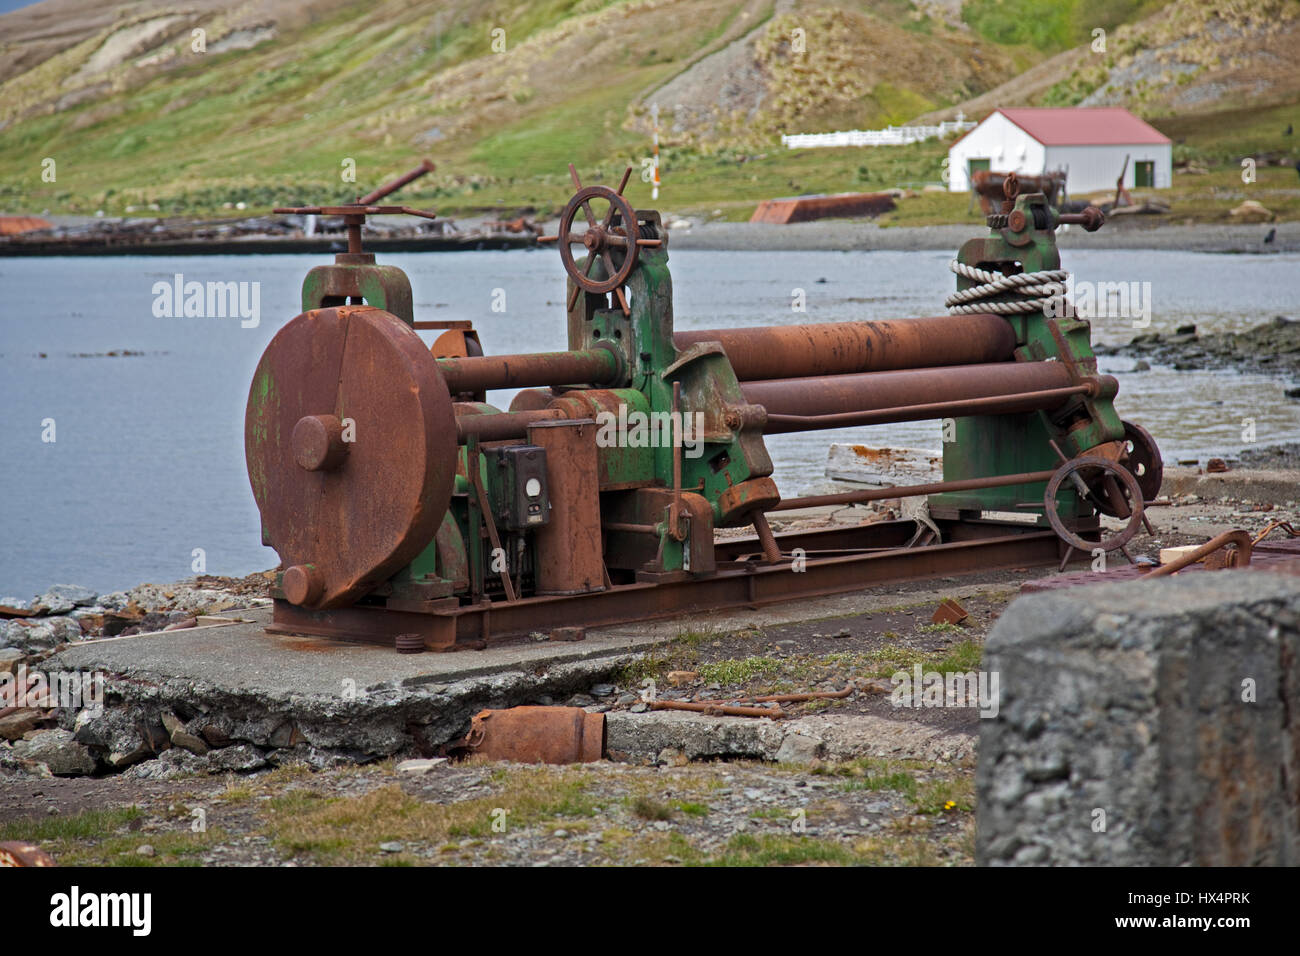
x=148, y=459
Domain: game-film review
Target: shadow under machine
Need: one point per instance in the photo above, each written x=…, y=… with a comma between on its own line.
x=407, y=511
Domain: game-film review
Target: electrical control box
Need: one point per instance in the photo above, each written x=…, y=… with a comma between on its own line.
x=518, y=487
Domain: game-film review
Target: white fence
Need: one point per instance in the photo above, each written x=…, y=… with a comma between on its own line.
x=890, y=136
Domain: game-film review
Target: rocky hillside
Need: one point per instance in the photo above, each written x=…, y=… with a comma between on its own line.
x=1191, y=56
x=185, y=107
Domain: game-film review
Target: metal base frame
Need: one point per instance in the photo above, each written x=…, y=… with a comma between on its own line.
x=855, y=558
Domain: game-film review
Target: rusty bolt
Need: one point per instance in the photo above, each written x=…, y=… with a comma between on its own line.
x=318, y=443
x=302, y=584
x=409, y=643
x=1011, y=187
x=1016, y=222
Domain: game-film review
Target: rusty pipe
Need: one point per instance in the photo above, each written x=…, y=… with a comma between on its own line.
x=1238, y=537
x=838, y=348
x=506, y=426
x=913, y=491
x=872, y=391
x=426, y=166
x=995, y=404
x=481, y=373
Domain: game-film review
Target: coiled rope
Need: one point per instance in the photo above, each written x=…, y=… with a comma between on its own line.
x=1037, y=289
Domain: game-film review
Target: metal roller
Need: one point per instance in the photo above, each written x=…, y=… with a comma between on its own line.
x=788, y=351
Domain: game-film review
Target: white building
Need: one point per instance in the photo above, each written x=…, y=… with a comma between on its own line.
x=1090, y=143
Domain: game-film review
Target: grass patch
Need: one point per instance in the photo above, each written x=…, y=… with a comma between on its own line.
x=338, y=830
x=740, y=671
x=106, y=838
x=745, y=849
x=648, y=808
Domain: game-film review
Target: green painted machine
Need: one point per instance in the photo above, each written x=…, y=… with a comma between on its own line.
x=409, y=511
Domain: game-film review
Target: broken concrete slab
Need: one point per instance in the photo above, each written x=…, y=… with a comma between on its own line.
x=220, y=687
x=645, y=736
x=325, y=702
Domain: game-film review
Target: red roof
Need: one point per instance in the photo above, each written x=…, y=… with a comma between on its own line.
x=1084, y=126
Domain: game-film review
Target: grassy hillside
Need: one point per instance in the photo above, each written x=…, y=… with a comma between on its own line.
x=285, y=92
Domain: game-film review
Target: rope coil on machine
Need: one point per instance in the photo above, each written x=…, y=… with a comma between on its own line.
x=1039, y=289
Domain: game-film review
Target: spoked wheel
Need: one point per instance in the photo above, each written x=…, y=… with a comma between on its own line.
x=1144, y=460
x=610, y=238
x=1097, y=480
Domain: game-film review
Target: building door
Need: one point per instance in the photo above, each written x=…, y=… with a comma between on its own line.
x=1144, y=175
x=974, y=166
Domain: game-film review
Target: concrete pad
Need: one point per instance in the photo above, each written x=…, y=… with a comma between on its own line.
x=242, y=658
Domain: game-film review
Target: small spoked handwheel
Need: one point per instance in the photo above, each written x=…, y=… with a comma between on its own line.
x=611, y=239
x=1096, y=479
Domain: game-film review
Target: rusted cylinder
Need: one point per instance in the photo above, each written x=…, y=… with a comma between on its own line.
x=839, y=348
x=503, y=427
x=556, y=735
x=837, y=394
x=318, y=443
x=480, y=373
x=569, y=545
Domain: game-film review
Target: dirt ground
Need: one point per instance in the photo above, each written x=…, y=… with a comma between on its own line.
x=889, y=806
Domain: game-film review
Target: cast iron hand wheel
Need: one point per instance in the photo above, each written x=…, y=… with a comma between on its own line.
x=1098, y=480
x=612, y=239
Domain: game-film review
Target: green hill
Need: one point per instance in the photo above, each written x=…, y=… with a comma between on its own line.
x=284, y=95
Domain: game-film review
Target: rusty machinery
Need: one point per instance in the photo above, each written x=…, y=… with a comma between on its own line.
x=407, y=511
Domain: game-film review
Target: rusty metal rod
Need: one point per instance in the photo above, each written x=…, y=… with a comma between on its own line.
x=771, y=550
x=993, y=404
x=1240, y=538
x=835, y=348
x=391, y=187
x=783, y=698
x=913, y=491
x=629, y=527
x=724, y=709
x=481, y=373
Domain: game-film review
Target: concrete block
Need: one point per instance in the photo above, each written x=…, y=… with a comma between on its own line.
x=1145, y=723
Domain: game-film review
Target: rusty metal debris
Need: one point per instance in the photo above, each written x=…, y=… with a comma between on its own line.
x=1284, y=525
x=809, y=208
x=22, y=853
x=554, y=735
x=1216, y=466
x=949, y=612
x=1238, y=542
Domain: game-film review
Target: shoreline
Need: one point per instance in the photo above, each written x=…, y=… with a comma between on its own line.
x=828, y=235
x=844, y=236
